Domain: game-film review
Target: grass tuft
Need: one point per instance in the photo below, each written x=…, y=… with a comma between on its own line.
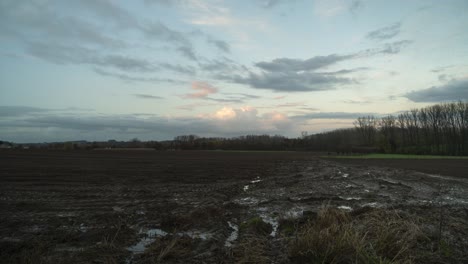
x=374, y=237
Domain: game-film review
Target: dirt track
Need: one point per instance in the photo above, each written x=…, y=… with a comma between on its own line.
x=98, y=206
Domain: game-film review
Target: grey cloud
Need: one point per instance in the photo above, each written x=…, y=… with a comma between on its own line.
x=188, y=70
x=109, y=10
x=292, y=81
x=217, y=43
x=126, y=63
x=188, y=52
x=56, y=127
x=270, y=3
x=387, y=48
x=346, y=71
x=243, y=95
x=129, y=78
x=395, y=47
x=385, y=32
x=356, y=5
x=62, y=54
x=451, y=91
x=286, y=64
x=221, y=45
x=233, y=98
x=148, y=96
x=333, y=115
x=14, y=111
x=161, y=31
x=29, y=22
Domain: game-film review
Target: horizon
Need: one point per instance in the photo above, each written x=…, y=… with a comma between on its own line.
x=156, y=69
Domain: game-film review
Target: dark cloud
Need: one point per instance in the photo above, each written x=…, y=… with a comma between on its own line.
x=148, y=96
x=451, y=91
x=291, y=81
x=286, y=64
x=333, y=115
x=385, y=32
x=301, y=75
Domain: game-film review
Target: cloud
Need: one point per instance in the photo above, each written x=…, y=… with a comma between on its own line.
x=451, y=91
x=188, y=70
x=109, y=10
x=225, y=122
x=148, y=96
x=287, y=64
x=385, y=32
x=390, y=48
x=220, y=44
x=203, y=90
x=356, y=5
x=333, y=115
x=15, y=111
x=70, y=54
x=130, y=78
x=291, y=81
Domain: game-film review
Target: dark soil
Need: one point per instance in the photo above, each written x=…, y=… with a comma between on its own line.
x=190, y=206
x=447, y=167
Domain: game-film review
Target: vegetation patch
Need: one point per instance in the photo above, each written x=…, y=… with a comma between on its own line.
x=373, y=237
x=256, y=225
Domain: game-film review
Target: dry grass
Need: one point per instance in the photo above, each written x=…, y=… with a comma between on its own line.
x=251, y=249
x=376, y=236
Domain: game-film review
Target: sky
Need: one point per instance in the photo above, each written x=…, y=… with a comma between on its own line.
x=155, y=69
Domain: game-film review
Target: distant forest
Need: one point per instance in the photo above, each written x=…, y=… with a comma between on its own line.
x=440, y=129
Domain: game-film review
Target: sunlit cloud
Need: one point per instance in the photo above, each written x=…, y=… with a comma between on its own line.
x=203, y=90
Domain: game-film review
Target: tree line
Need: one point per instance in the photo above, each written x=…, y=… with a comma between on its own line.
x=441, y=129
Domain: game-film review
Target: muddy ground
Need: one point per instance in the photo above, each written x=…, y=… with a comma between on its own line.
x=210, y=207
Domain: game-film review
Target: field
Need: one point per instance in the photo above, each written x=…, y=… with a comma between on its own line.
x=229, y=207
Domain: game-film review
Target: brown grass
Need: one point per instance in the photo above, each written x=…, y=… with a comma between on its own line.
x=376, y=236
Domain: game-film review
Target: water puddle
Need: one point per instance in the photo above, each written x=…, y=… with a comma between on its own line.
x=149, y=236
x=273, y=221
x=344, y=207
x=233, y=236
x=248, y=201
x=373, y=205
x=350, y=198
x=257, y=180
